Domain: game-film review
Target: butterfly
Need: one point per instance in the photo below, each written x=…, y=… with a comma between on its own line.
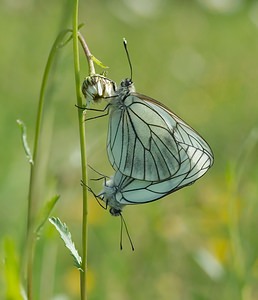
x=147, y=141
x=121, y=190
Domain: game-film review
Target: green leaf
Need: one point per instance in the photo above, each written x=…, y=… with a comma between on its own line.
x=11, y=268
x=24, y=141
x=98, y=62
x=45, y=212
x=67, y=238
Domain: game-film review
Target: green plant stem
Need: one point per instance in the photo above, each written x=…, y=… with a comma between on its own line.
x=83, y=273
x=237, y=253
x=87, y=53
x=32, y=195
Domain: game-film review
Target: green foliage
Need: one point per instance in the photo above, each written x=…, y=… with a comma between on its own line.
x=24, y=141
x=11, y=269
x=98, y=62
x=67, y=238
x=45, y=212
x=199, y=243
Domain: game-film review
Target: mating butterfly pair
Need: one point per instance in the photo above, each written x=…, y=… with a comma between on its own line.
x=153, y=152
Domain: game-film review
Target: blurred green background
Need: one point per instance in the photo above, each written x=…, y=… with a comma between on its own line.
x=200, y=58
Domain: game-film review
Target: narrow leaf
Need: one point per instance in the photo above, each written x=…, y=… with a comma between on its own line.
x=67, y=238
x=24, y=141
x=11, y=268
x=45, y=212
x=98, y=62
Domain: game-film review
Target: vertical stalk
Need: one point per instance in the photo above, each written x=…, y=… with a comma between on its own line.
x=83, y=273
x=32, y=195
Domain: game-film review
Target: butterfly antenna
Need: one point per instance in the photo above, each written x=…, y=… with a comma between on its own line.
x=128, y=57
x=123, y=223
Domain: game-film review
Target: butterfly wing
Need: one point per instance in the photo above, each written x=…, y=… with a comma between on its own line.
x=134, y=191
x=191, y=145
x=122, y=190
x=146, y=141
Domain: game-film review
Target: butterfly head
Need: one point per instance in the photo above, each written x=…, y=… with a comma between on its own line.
x=127, y=85
x=115, y=212
x=127, y=82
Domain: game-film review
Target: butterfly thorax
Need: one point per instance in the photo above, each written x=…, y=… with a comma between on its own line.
x=115, y=206
x=125, y=89
x=110, y=192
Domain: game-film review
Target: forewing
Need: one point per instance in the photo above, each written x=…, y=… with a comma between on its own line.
x=147, y=141
x=140, y=143
x=184, y=134
x=191, y=145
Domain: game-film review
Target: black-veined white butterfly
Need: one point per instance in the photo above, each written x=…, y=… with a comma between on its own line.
x=121, y=190
x=146, y=140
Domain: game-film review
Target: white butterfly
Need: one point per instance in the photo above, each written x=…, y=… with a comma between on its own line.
x=121, y=190
x=147, y=141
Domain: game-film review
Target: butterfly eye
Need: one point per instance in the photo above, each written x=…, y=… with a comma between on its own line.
x=126, y=82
